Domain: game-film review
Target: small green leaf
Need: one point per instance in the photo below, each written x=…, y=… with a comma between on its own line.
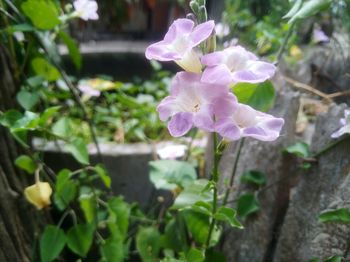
x=79, y=239
x=73, y=49
x=102, y=173
x=341, y=215
x=254, y=177
x=20, y=28
x=43, y=14
x=52, y=242
x=48, y=113
x=228, y=215
x=334, y=259
x=62, y=127
x=169, y=174
x=43, y=68
x=10, y=117
x=121, y=211
x=66, y=189
x=310, y=8
x=192, y=194
x=112, y=250
x=202, y=207
x=89, y=206
x=299, y=149
x=259, y=96
x=294, y=9
x=27, y=99
x=195, y=255
x=26, y=163
x=148, y=243
x=79, y=150
x=247, y=205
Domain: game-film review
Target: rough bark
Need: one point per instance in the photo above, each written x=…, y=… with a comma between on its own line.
x=18, y=220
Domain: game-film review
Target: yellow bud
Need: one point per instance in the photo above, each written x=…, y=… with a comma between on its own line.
x=39, y=194
x=296, y=52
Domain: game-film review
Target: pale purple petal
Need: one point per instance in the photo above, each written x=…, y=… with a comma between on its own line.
x=318, y=36
x=202, y=32
x=217, y=74
x=166, y=108
x=268, y=129
x=179, y=28
x=204, y=118
x=180, y=124
x=86, y=9
x=226, y=128
x=343, y=130
x=213, y=59
x=159, y=51
x=225, y=106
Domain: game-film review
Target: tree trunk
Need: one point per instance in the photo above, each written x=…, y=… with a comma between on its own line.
x=18, y=220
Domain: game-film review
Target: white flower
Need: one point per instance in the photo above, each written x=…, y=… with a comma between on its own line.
x=344, y=125
x=222, y=30
x=86, y=9
x=172, y=151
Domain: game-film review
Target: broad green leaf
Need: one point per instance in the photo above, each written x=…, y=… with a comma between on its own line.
x=254, y=177
x=294, y=9
x=341, y=215
x=334, y=259
x=310, y=8
x=26, y=163
x=174, y=237
x=79, y=239
x=48, y=113
x=193, y=193
x=73, y=49
x=259, y=96
x=43, y=68
x=102, y=173
x=27, y=99
x=79, y=150
x=202, y=207
x=299, y=149
x=170, y=174
x=228, y=215
x=52, y=242
x=89, y=206
x=35, y=81
x=62, y=127
x=247, y=205
x=43, y=14
x=112, y=250
x=121, y=211
x=10, y=117
x=148, y=243
x=195, y=255
x=28, y=121
x=66, y=189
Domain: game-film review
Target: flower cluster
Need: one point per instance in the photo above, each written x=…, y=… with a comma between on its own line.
x=203, y=98
x=86, y=9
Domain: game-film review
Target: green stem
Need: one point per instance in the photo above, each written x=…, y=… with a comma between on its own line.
x=228, y=190
x=215, y=179
x=329, y=146
x=285, y=42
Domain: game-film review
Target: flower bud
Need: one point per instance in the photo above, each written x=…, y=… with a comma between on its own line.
x=195, y=7
x=201, y=2
x=39, y=194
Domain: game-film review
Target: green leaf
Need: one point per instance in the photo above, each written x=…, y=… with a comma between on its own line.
x=121, y=212
x=73, y=49
x=192, y=194
x=195, y=255
x=79, y=239
x=334, y=259
x=79, y=150
x=48, y=113
x=294, y=9
x=247, y=205
x=310, y=8
x=254, y=177
x=62, y=127
x=228, y=215
x=27, y=99
x=174, y=237
x=112, y=250
x=52, y=242
x=89, y=206
x=170, y=174
x=10, y=117
x=26, y=163
x=102, y=173
x=43, y=68
x=20, y=28
x=148, y=243
x=66, y=189
x=259, y=96
x=43, y=14
x=202, y=207
x=299, y=149
x=341, y=215
x=212, y=255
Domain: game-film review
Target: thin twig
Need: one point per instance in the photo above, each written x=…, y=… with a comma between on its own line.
x=285, y=42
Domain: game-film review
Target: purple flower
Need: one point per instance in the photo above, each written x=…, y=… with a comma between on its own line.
x=234, y=65
x=244, y=121
x=191, y=103
x=86, y=9
x=344, y=125
x=179, y=42
x=88, y=91
x=318, y=36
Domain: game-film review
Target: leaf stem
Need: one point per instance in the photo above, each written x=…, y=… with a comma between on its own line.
x=285, y=42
